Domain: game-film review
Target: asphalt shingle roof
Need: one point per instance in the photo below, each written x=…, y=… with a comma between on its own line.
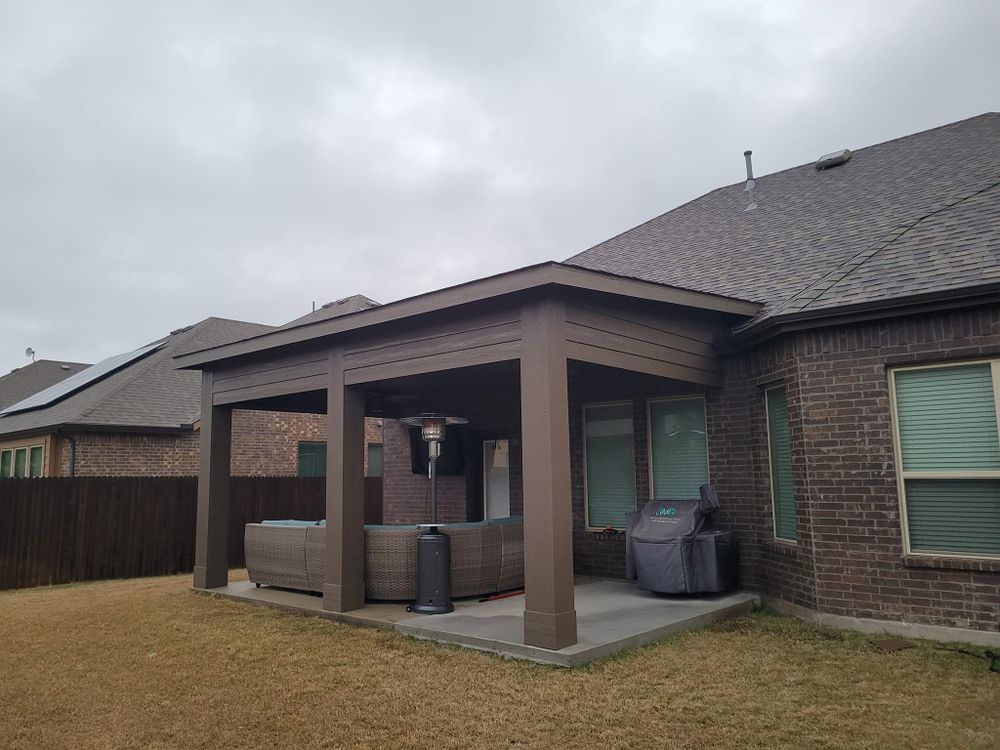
x=26, y=381
x=354, y=303
x=148, y=393
x=913, y=215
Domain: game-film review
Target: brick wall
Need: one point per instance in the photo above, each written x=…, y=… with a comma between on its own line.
x=406, y=497
x=852, y=499
x=737, y=428
x=265, y=443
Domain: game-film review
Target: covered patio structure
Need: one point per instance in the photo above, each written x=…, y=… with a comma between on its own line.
x=521, y=329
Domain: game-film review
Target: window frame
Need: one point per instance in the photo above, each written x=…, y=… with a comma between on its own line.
x=770, y=469
x=583, y=435
x=41, y=469
x=298, y=458
x=649, y=435
x=14, y=448
x=26, y=450
x=368, y=462
x=897, y=451
x=9, y=465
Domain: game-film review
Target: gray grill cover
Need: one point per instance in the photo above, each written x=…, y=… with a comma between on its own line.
x=671, y=549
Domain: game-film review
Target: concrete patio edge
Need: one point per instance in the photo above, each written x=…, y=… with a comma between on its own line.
x=578, y=655
x=494, y=627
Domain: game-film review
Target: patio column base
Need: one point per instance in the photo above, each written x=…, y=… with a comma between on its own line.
x=343, y=598
x=548, y=630
x=210, y=578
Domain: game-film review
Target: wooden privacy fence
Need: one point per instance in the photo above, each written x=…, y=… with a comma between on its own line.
x=58, y=530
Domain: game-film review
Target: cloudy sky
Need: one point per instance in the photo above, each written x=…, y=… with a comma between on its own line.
x=164, y=162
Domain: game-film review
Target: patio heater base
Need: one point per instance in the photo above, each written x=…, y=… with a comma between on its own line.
x=433, y=573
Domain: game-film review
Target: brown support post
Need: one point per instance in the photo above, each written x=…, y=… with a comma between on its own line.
x=549, y=614
x=344, y=587
x=211, y=554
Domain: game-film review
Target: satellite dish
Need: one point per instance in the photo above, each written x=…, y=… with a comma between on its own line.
x=29, y=352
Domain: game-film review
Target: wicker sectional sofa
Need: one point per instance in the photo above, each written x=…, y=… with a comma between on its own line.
x=486, y=557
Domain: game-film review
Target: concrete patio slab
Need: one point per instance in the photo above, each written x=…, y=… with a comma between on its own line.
x=611, y=616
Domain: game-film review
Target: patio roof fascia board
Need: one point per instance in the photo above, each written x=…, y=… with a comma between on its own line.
x=511, y=282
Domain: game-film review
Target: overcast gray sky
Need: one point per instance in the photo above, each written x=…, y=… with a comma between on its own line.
x=164, y=162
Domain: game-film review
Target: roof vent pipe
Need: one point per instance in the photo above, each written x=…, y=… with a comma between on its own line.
x=751, y=205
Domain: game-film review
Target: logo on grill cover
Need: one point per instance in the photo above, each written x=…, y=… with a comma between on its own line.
x=661, y=511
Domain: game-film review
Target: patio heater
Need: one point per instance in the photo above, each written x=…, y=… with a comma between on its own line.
x=433, y=547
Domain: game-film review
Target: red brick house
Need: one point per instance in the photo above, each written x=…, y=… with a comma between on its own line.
x=822, y=344
x=136, y=416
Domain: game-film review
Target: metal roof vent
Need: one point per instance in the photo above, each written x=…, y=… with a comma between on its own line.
x=751, y=184
x=835, y=159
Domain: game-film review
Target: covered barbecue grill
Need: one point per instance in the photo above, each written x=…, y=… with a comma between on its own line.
x=672, y=547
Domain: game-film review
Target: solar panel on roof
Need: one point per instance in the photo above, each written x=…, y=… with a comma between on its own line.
x=80, y=380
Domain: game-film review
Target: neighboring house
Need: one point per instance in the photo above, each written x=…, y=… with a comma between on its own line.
x=135, y=415
x=829, y=358
x=25, y=457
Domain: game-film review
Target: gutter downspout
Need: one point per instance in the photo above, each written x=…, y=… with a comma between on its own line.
x=72, y=455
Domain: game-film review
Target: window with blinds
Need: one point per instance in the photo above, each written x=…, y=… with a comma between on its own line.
x=948, y=456
x=312, y=459
x=678, y=448
x=779, y=446
x=609, y=453
x=375, y=459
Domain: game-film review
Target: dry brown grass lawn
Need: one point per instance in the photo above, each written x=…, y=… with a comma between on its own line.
x=147, y=664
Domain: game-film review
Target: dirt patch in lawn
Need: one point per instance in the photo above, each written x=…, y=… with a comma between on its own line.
x=148, y=664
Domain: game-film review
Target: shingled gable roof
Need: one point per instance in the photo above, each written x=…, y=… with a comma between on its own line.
x=148, y=394
x=26, y=381
x=352, y=304
x=911, y=216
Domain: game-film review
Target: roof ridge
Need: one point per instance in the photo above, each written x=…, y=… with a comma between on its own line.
x=778, y=172
x=857, y=260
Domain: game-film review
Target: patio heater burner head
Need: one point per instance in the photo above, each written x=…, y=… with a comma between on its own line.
x=433, y=547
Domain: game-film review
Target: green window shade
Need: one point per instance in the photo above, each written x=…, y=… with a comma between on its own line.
x=6, y=464
x=947, y=419
x=312, y=459
x=375, y=456
x=679, y=448
x=20, y=462
x=35, y=462
x=610, y=465
x=954, y=515
x=780, y=444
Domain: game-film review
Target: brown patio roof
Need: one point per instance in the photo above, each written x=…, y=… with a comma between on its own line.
x=530, y=277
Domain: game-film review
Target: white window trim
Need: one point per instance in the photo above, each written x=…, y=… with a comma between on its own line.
x=27, y=448
x=649, y=434
x=770, y=471
x=902, y=476
x=586, y=491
